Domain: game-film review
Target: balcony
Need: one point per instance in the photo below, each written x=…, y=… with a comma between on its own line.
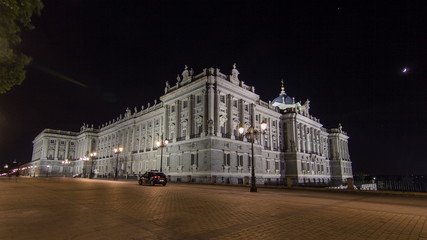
x=197, y=135
x=226, y=135
x=180, y=139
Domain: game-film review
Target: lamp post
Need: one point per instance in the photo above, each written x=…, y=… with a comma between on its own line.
x=117, y=151
x=251, y=134
x=66, y=163
x=161, y=144
x=92, y=156
x=5, y=168
x=84, y=159
x=47, y=172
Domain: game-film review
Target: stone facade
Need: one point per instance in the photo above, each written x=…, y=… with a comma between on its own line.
x=200, y=116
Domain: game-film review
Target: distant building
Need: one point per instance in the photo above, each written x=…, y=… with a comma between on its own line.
x=200, y=116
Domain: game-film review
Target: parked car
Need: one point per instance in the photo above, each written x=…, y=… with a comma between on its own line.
x=153, y=177
x=77, y=175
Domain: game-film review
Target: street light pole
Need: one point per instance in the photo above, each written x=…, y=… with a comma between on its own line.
x=251, y=133
x=65, y=163
x=117, y=151
x=48, y=168
x=92, y=156
x=161, y=144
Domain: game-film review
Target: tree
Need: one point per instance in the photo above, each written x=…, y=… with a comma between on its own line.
x=14, y=15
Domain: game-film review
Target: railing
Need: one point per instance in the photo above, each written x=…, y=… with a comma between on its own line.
x=195, y=135
x=226, y=135
x=180, y=139
x=392, y=185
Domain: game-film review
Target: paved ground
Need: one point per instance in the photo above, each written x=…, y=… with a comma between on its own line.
x=63, y=208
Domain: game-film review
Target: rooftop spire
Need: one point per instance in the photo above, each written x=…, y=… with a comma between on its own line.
x=283, y=85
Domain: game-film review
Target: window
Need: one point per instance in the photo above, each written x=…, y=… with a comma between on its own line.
x=247, y=108
x=62, y=142
x=222, y=98
x=52, y=141
x=226, y=159
x=249, y=161
x=172, y=109
x=235, y=103
x=194, y=159
x=184, y=104
x=157, y=122
x=276, y=166
x=240, y=160
x=168, y=161
x=198, y=99
x=267, y=164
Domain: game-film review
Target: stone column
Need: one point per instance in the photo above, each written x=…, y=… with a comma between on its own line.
x=217, y=127
x=270, y=137
x=45, y=148
x=190, y=124
x=229, y=125
x=177, y=120
x=165, y=123
x=67, y=145
x=210, y=105
x=56, y=149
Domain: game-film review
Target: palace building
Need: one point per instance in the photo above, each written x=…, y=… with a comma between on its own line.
x=200, y=116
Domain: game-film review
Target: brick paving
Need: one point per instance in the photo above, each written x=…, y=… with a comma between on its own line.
x=63, y=208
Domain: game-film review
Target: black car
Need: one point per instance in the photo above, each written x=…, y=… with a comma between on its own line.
x=152, y=178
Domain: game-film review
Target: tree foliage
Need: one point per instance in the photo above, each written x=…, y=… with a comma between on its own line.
x=14, y=15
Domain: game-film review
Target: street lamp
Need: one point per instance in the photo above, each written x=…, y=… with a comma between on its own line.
x=161, y=144
x=47, y=173
x=66, y=163
x=92, y=156
x=84, y=159
x=251, y=134
x=117, y=151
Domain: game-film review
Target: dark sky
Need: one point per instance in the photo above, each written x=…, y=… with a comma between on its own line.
x=92, y=59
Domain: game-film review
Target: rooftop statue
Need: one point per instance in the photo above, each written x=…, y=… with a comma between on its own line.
x=235, y=73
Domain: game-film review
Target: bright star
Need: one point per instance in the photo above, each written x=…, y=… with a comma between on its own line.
x=405, y=70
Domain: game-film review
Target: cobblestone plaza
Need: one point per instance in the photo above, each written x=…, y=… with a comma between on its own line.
x=64, y=208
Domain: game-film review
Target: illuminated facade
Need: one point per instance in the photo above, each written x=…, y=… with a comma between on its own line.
x=200, y=116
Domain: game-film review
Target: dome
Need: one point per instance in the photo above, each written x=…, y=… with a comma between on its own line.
x=283, y=99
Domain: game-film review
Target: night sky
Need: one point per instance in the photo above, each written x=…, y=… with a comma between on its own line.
x=93, y=59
